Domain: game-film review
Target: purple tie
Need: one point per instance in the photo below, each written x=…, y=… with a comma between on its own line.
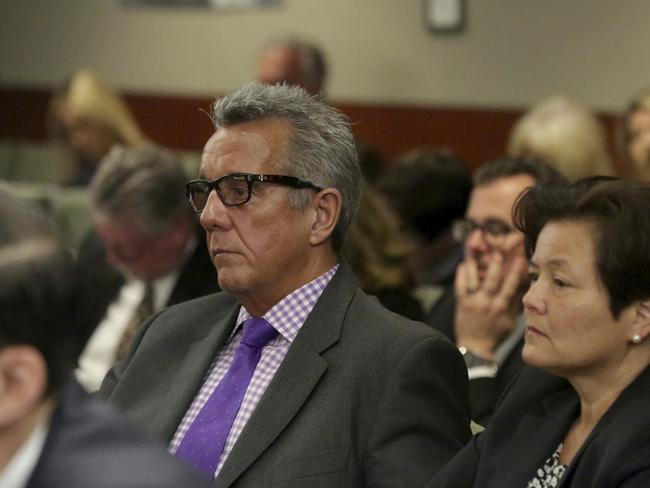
x=206, y=437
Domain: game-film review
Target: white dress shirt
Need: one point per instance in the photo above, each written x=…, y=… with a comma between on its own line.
x=99, y=353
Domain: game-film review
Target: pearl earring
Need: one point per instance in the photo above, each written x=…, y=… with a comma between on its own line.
x=636, y=339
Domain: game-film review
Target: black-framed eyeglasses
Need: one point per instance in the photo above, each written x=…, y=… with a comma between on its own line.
x=493, y=228
x=235, y=189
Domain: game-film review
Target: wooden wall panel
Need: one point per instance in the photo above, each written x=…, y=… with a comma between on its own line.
x=476, y=135
x=22, y=113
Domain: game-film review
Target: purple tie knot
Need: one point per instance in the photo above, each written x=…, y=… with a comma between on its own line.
x=257, y=332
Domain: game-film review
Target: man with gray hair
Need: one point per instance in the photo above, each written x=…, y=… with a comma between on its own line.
x=147, y=251
x=293, y=375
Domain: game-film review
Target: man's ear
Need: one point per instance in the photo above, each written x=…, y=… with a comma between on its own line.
x=327, y=205
x=641, y=327
x=23, y=382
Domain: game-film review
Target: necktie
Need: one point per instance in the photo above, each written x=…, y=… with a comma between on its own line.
x=206, y=437
x=142, y=313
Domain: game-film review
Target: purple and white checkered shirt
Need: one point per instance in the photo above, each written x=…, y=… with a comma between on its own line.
x=287, y=317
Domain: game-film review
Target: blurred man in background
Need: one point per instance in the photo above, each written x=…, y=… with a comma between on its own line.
x=147, y=251
x=292, y=61
x=482, y=312
x=429, y=188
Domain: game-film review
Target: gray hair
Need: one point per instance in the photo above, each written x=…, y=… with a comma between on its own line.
x=146, y=183
x=321, y=147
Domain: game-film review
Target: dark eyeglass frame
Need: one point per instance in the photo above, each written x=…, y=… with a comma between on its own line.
x=461, y=229
x=249, y=178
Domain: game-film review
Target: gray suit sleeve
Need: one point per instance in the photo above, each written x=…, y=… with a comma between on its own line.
x=423, y=417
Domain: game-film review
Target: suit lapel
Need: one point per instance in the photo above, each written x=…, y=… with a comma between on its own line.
x=542, y=428
x=297, y=376
x=629, y=409
x=191, y=374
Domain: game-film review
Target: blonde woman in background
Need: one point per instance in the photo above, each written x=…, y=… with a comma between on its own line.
x=564, y=133
x=635, y=142
x=90, y=117
x=378, y=251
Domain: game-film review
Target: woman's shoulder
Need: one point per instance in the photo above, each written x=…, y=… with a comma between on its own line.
x=532, y=386
x=627, y=418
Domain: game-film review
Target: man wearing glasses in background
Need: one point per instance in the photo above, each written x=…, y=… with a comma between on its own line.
x=293, y=375
x=482, y=312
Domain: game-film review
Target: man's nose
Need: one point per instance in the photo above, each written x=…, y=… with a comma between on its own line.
x=476, y=242
x=215, y=214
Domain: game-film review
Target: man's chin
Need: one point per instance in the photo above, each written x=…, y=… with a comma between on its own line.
x=230, y=284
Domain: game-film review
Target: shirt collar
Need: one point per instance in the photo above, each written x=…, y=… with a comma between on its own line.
x=289, y=314
x=22, y=463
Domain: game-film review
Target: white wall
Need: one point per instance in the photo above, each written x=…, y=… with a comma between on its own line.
x=512, y=53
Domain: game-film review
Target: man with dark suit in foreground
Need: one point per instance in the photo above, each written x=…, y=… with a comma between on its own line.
x=293, y=375
x=52, y=434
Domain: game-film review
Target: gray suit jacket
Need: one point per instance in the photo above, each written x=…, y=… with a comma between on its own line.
x=364, y=397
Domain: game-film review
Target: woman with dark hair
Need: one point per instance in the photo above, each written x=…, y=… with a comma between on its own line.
x=579, y=416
